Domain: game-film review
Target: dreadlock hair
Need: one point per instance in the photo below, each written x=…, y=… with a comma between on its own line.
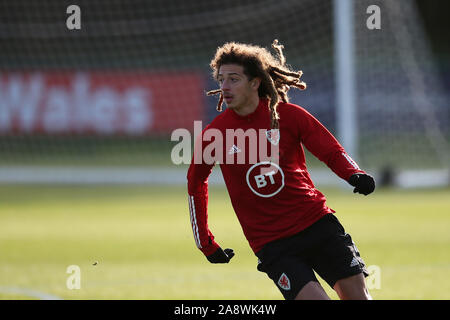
x=276, y=77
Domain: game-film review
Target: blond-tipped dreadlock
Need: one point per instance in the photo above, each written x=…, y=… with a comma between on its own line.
x=276, y=77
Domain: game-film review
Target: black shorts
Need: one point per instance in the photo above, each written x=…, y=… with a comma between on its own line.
x=324, y=247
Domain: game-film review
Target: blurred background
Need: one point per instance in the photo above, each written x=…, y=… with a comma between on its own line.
x=110, y=94
x=86, y=118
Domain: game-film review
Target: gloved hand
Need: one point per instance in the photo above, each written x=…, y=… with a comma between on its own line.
x=363, y=183
x=221, y=256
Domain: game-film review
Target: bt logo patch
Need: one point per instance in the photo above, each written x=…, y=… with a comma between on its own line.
x=265, y=179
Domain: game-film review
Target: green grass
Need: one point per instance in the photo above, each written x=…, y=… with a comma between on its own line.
x=81, y=150
x=142, y=240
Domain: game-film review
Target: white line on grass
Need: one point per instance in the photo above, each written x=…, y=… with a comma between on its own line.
x=29, y=293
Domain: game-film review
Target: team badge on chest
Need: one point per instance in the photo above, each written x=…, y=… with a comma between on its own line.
x=273, y=135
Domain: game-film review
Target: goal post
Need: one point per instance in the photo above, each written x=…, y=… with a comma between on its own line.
x=346, y=111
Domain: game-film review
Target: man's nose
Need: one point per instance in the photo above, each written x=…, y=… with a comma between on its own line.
x=225, y=86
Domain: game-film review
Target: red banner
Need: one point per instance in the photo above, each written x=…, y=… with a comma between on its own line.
x=128, y=103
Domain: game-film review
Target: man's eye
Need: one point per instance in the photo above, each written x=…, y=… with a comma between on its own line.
x=234, y=79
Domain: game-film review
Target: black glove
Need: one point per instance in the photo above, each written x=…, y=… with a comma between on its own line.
x=221, y=256
x=363, y=183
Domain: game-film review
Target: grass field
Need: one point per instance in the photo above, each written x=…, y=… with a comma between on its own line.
x=143, y=243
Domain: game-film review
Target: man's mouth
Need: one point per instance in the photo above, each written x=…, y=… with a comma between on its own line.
x=227, y=98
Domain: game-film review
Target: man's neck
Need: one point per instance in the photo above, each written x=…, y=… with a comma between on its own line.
x=249, y=108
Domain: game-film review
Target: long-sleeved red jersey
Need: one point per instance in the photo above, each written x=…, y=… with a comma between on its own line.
x=272, y=199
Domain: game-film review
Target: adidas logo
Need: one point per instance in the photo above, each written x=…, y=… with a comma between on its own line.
x=234, y=149
x=354, y=262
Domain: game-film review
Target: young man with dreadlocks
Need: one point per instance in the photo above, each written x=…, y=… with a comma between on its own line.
x=284, y=217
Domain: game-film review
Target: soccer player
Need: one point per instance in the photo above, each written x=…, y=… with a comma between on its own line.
x=283, y=216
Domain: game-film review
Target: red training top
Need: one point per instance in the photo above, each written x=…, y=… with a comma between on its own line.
x=272, y=198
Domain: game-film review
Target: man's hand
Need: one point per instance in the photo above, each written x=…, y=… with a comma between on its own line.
x=221, y=256
x=363, y=183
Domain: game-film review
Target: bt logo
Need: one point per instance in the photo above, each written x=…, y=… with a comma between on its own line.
x=265, y=179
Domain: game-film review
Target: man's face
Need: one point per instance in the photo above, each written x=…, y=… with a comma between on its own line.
x=238, y=91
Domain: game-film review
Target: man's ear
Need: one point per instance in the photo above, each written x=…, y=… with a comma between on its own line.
x=255, y=82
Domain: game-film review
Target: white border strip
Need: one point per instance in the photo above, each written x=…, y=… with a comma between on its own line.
x=177, y=176
x=194, y=221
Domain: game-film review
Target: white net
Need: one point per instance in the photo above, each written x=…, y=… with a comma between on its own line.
x=111, y=92
x=403, y=109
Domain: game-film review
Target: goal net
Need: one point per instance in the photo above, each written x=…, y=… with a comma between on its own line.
x=105, y=83
x=403, y=108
